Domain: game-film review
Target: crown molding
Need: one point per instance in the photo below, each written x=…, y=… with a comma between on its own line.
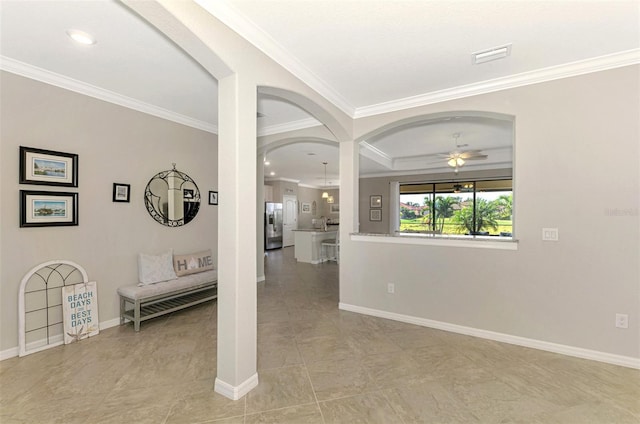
x=371, y=152
x=33, y=72
x=441, y=169
x=602, y=63
x=234, y=19
x=309, y=186
x=288, y=180
x=288, y=126
x=231, y=17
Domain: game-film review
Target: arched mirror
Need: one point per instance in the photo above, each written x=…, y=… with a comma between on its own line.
x=172, y=198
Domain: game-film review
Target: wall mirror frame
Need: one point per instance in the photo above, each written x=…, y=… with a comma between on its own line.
x=172, y=198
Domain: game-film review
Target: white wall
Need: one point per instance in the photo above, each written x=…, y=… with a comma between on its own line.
x=577, y=169
x=114, y=144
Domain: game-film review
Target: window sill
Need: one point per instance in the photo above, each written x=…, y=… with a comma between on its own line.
x=480, y=242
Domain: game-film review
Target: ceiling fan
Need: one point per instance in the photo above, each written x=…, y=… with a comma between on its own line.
x=459, y=157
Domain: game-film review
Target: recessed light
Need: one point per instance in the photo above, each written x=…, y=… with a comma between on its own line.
x=81, y=37
x=272, y=173
x=493, y=53
x=267, y=163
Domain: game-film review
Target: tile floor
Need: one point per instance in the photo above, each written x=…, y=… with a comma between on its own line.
x=316, y=364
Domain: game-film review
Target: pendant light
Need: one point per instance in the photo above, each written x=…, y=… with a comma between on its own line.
x=325, y=194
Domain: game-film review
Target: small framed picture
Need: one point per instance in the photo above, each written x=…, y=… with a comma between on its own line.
x=121, y=192
x=375, y=201
x=213, y=197
x=306, y=207
x=334, y=208
x=375, y=215
x=46, y=167
x=187, y=193
x=48, y=208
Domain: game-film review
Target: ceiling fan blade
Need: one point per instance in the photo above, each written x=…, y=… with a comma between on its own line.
x=471, y=153
x=477, y=157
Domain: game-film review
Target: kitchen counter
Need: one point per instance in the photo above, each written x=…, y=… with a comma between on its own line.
x=330, y=227
x=308, y=243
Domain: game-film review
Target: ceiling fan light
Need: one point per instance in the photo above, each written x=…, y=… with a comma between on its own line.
x=325, y=195
x=455, y=162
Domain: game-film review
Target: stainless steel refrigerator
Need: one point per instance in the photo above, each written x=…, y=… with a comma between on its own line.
x=272, y=225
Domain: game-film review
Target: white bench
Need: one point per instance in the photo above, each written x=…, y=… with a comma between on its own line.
x=153, y=300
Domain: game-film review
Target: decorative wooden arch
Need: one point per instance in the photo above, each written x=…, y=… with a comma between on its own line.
x=40, y=322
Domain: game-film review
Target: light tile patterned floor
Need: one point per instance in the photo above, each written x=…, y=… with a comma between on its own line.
x=316, y=364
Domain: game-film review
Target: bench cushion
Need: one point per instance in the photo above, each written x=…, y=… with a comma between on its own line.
x=136, y=292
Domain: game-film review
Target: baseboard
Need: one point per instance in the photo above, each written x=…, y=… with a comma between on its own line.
x=110, y=323
x=9, y=353
x=625, y=361
x=261, y=278
x=236, y=392
x=15, y=351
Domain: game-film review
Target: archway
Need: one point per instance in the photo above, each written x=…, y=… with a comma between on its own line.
x=436, y=157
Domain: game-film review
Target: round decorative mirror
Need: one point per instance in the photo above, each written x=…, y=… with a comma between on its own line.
x=172, y=198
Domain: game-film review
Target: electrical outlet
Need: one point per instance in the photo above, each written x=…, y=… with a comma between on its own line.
x=622, y=321
x=391, y=288
x=550, y=234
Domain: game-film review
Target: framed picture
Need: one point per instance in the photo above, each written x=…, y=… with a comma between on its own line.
x=46, y=167
x=121, y=192
x=375, y=214
x=213, y=197
x=48, y=208
x=334, y=208
x=306, y=207
x=188, y=193
x=375, y=201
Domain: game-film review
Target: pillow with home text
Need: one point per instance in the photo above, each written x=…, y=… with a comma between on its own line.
x=192, y=263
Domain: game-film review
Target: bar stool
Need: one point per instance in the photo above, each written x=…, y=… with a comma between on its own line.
x=334, y=244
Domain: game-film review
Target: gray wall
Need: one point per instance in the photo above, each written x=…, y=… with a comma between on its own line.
x=577, y=169
x=114, y=144
x=281, y=188
x=309, y=195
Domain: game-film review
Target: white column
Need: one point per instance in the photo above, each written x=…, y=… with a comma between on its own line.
x=349, y=189
x=394, y=207
x=237, y=308
x=260, y=219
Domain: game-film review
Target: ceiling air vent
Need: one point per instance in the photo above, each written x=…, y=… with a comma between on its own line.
x=493, y=53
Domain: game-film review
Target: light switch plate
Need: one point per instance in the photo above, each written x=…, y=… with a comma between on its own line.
x=550, y=234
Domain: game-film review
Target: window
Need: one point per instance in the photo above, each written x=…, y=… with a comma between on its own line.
x=476, y=208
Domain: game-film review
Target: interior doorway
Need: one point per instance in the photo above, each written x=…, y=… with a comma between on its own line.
x=289, y=219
